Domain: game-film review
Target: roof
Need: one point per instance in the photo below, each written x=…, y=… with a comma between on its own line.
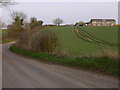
x=102, y=19
x=81, y=22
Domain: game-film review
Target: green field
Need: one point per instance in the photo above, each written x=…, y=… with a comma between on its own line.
x=77, y=47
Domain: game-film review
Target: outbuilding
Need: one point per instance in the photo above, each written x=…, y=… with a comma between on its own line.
x=102, y=22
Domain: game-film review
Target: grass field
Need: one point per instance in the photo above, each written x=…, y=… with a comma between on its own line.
x=77, y=47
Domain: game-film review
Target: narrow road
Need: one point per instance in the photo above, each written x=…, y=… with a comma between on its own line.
x=23, y=72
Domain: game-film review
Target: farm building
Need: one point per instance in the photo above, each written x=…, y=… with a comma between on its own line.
x=102, y=22
x=81, y=23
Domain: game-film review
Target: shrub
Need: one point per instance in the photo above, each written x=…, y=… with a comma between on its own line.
x=45, y=41
x=23, y=40
x=61, y=53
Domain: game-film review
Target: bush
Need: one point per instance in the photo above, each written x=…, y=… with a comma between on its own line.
x=24, y=40
x=45, y=41
x=61, y=53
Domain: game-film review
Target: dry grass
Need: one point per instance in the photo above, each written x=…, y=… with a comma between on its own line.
x=61, y=53
x=108, y=52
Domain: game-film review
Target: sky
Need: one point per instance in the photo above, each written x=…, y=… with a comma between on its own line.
x=70, y=12
x=67, y=0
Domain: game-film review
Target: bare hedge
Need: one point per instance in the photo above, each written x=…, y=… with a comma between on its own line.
x=45, y=41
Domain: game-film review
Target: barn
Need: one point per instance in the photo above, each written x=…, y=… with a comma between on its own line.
x=102, y=22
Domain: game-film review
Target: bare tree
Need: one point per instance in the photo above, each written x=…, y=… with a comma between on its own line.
x=17, y=27
x=33, y=19
x=57, y=21
x=18, y=17
x=4, y=3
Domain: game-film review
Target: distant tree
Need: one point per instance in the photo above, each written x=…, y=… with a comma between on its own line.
x=33, y=19
x=4, y=3
x=40, y=22
x=34, y=23
x=57, y=21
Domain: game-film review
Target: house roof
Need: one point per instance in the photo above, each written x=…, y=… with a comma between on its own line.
x=102, y=19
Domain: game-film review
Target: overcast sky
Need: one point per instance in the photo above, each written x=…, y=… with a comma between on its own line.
x=70, y=12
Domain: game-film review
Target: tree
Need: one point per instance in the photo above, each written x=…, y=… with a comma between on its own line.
x=18, y=17
x=40, y=22
x=57, y=21
x=16, y=28
x=34, y=23
x=4, y=3
x=33, y=19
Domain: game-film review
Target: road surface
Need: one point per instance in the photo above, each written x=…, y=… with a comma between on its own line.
x=23, y=72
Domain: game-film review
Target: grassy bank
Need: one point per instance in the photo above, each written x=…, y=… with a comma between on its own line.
x=99, y=64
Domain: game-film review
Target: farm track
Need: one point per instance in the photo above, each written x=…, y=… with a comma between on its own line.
x=81, y=37
x=82, y=34
x=97, y=39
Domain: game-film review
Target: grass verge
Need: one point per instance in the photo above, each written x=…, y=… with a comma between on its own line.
x=6, y=41
x=99, y=64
